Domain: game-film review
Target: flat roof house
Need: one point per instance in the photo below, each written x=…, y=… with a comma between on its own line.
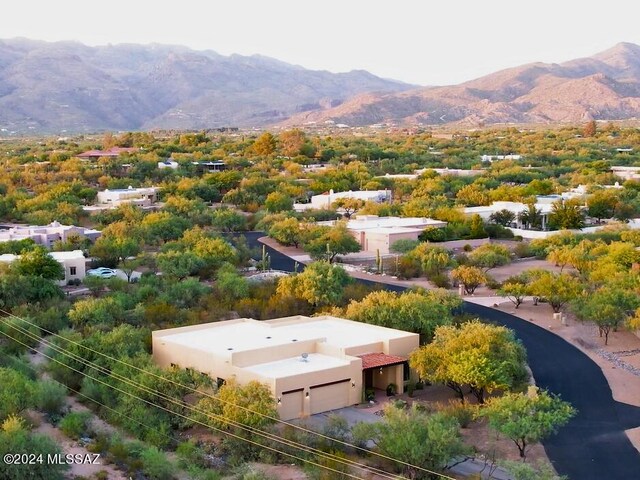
x=47, y=235
x=73, y=262
x=113, y=152
x=376, y=233
x=312, y=365
x=626, y=173
x=142, y=197
x=325, y=200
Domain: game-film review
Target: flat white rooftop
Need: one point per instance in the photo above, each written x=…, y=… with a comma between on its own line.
x=225, y=338
x=315, y=362
x=369, y=222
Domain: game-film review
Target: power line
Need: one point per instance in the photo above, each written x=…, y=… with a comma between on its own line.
x=263, y=415
x=224, y=432
x=263, y=434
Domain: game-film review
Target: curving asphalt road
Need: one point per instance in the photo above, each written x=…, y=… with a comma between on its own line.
x=593, y=446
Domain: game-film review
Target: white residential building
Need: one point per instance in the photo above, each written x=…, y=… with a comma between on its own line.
x=325, y=200
x=378, y=234
x=311, y=365
x=172, y=164
x=626, y=173
x=142, y=197
x=491, y=158
x=47, y=235
x=74, y=264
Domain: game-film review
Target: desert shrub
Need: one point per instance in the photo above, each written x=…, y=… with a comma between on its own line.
x=408, y=268
x=50, y=397
x=440, y=280
x=156, y=465
x=464, y=413
x=75, y=424
x=497, y=231
x=492, y=283
x=523, y=250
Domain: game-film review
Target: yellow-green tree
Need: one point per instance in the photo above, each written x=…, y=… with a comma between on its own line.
x=557, y=289
x=320, y=284
x=478, y=355
x=528, y=418
x=348, y=205
x=419, y=312
x=471, y=277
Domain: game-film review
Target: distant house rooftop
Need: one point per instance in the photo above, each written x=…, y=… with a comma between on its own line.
x=111, y=152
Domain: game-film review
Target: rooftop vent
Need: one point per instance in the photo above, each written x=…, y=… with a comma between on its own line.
x=304, y=357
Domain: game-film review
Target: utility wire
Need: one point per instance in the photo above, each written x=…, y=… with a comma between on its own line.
x=184, y=416
x=253, y=430
x=263, y=415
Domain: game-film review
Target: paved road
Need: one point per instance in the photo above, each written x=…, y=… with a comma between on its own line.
x=593, y=446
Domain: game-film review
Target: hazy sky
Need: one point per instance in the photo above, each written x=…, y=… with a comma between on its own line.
x=421, y=41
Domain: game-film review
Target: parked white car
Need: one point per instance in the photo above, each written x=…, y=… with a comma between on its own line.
x=102, y=272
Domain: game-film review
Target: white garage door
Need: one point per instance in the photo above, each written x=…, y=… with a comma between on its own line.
x=291, y=405
x=329, y=396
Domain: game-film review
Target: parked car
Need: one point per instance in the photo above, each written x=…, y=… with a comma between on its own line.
x=102, y=272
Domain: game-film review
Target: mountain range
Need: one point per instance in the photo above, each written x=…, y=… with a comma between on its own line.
x=69, y=86
x=605, y=86
x=51, y=87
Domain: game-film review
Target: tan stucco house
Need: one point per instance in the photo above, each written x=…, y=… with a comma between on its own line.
x=312, y=365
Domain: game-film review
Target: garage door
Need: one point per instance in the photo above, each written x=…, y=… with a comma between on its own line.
x=291, y=405
x=329, y=396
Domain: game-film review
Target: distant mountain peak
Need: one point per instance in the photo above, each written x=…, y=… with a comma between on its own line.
x=605, y=86
x=131, y=87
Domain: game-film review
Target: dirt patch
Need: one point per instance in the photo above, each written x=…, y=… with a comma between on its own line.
x=69, y=446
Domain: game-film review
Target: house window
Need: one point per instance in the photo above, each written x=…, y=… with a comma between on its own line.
x=406, y=372
x=72, y=271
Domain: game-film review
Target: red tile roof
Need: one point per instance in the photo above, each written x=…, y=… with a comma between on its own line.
x=375, y=360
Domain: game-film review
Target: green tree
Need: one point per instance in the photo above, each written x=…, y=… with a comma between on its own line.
x=230, y=283
x=179, y=264
x=609, y=308
x=349, y=205
x=119, y=242
x=38, y=263
x=278, y=202
x=228, y=220
x=16, y=394
x=476, y=229
x=490, y=256
x=514, y=291
x=333, y=241
x=503, y=217
x=159, y=227
x=531, y=218
x=471, y=277
x=251, y=405
x=320, y=284
x=528, y=418
x=484, y=357
x=286, y=232
x=556, y=288
x=414, y=437
x=419, y=312
x=433, y=260
x=602, y=204
x=566, y=215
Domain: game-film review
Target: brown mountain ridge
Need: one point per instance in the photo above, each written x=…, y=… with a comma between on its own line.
x=51, y=87
x=605, y=86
